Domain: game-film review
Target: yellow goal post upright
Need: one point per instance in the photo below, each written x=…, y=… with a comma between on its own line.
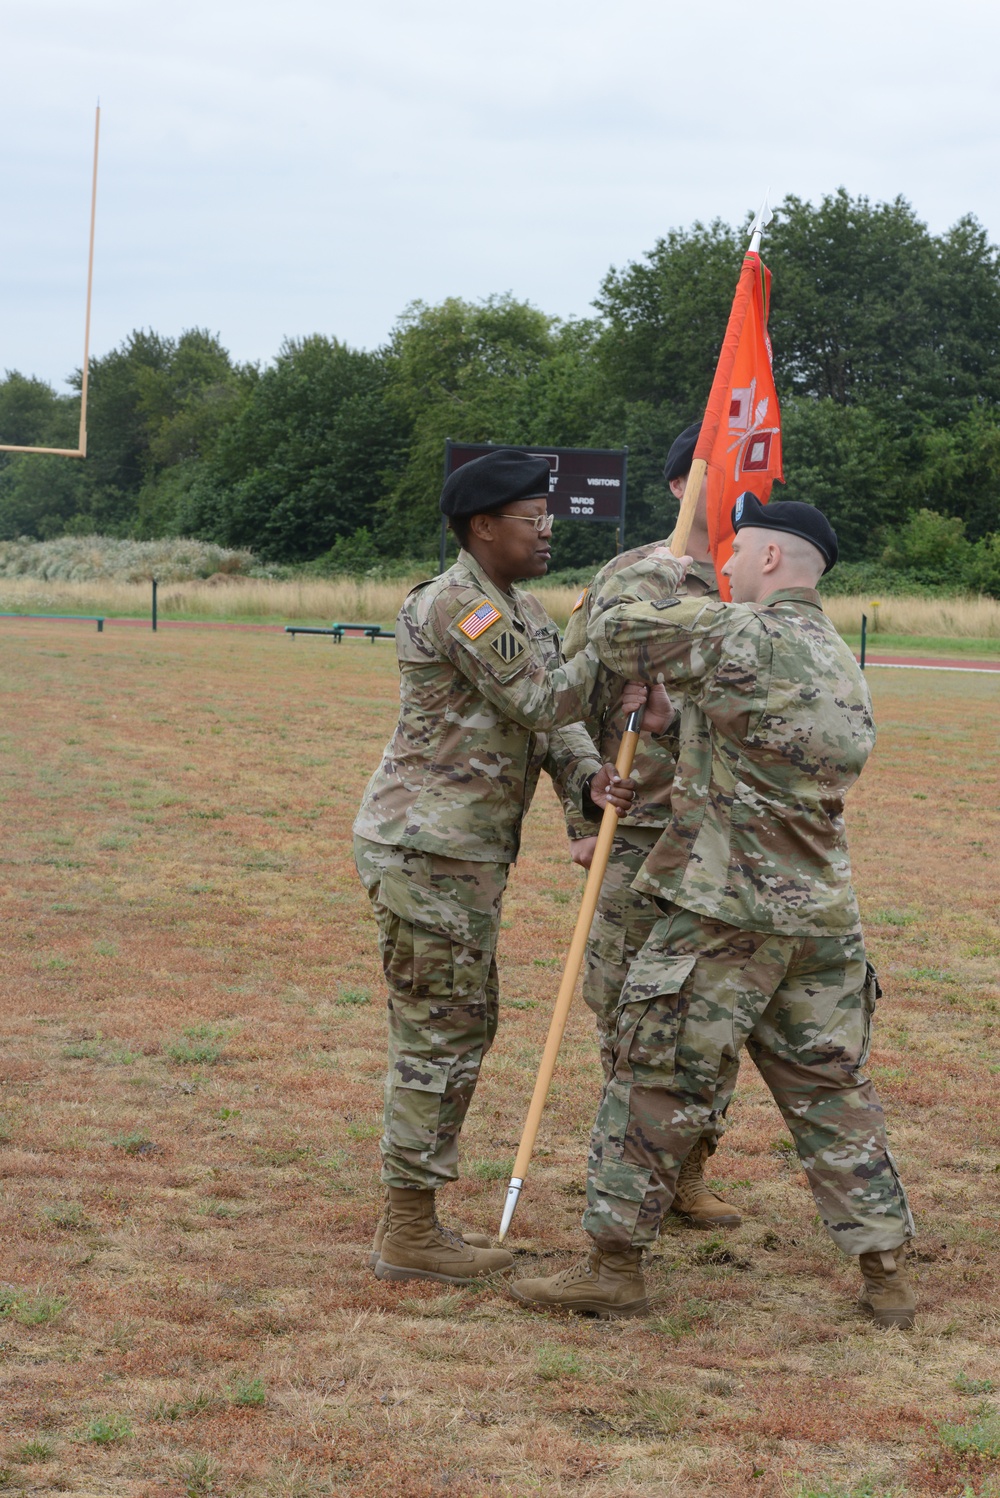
x=80, y=451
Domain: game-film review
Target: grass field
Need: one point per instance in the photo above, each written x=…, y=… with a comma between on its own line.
x=192, y=1046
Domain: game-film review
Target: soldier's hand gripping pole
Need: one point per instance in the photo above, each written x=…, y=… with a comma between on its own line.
x=574, y=962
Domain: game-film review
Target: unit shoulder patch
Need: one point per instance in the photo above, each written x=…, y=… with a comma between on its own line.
x=666, y=603
x=507, y=646
x=479, y=619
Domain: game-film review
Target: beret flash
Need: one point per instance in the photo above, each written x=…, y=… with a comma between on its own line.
x=681, y=454
x=497, y=478
x=792, y=517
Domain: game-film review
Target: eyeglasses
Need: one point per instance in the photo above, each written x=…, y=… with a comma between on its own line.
x=540, y=522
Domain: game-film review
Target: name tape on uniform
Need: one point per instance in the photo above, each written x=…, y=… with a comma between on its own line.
x=482, y=616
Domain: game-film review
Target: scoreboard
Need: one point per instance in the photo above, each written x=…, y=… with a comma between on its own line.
x=585, y=483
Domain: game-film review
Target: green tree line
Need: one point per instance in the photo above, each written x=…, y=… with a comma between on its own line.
x=887, y=360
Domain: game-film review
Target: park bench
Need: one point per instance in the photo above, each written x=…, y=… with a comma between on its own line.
x=372, y=632
x=97, y=619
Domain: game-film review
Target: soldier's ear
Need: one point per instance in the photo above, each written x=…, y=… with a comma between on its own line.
x=772, y=556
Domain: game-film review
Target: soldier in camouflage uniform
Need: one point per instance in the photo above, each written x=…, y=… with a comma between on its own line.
x=760, y=939
x=486, y=702
x=626, y=916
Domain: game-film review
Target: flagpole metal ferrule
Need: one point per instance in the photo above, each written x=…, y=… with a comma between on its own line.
x=760, y=223
x=513, y=1192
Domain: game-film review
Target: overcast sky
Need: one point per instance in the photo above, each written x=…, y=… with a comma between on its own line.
x=276, y=169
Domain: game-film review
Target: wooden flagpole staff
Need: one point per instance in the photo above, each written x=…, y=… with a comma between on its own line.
x=685, y=516
x=578, y=946
x=80, y=451
x=626, y=754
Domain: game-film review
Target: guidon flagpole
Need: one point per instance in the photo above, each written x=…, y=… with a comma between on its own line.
x=605, y=838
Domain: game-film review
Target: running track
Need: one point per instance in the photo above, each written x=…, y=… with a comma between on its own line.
x=928, y=663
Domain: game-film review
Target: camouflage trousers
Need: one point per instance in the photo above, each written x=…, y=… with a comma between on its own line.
x=623, y=923
x=438, y=922
x=696, y=994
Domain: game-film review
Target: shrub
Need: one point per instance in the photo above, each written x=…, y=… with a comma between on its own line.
x=353, y=556
x=86, y=558
x=932, y=548
x=984, y=566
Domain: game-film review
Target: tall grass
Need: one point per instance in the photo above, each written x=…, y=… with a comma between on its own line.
x=946, y=618
x=249, y=599
x=367, y=601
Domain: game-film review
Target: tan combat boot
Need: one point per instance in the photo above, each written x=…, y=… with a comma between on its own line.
x=474, y=1240
x=609, y=1285
x=416, y=1247
x=888, y=1295
x=693, y=1201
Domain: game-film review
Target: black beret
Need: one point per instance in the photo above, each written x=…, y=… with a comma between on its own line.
x=791, y=516
x=681, y=454
x=497, y=478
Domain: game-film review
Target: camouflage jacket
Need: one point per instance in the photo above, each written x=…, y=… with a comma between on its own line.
x=776, y=725
x=655, y=758
x=486, y=701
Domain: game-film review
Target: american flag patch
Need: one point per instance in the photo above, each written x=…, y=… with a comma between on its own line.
x=579, y=602
x=482, y=616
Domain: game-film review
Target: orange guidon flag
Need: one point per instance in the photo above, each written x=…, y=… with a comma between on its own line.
x=740, y=436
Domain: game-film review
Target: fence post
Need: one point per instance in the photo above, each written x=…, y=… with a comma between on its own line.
x=864, y=638
x=154, y=605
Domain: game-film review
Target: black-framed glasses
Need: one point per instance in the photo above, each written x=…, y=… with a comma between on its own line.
x=540, y=522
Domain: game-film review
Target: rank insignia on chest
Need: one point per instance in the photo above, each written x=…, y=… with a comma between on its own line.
x=482, y=616
x=507, y=646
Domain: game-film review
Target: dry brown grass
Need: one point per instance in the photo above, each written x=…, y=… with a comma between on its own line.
x=192, y=1050
x=366, y=601
x=945, y=618
x=228, y=597
x=361, y=601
